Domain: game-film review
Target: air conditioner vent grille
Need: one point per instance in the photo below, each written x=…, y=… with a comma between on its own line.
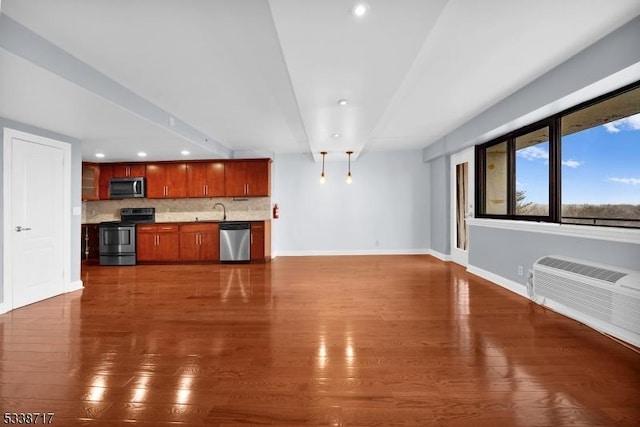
x=604, y=274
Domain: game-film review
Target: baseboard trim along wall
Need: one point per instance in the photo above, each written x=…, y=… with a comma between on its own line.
x=354, y=252
x=509, y=285
x=440, y=255
x=75, y=286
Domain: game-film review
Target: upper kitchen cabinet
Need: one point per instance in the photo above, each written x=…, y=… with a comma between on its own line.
x=129, y=170
x=166, y=180
x=205, y=179
x=90, y=181
x=106, y=173
x=248, y=178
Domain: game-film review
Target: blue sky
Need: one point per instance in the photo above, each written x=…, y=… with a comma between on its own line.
x=600, y=165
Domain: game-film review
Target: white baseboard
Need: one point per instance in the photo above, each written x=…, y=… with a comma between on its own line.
x=75, y=286
x=355, y=252
x=440, y=255
x=510, y=285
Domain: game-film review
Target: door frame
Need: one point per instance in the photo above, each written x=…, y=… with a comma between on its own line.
x=7, y=258
x=467, y=155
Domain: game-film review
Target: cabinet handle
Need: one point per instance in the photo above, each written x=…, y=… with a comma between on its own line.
x=206, y=189
x=252, y=238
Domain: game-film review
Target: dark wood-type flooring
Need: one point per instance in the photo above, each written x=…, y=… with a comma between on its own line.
x=333, y=341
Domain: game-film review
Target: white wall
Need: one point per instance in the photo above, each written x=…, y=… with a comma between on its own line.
x=384, y=210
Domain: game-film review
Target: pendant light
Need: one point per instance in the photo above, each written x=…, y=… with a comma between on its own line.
x=349, y=180
x=322, y=177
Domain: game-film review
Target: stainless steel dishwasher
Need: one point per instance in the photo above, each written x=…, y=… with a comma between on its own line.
x=235, y=241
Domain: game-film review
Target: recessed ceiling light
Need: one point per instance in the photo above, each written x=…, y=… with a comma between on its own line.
x=100, y=155
x=142, y=154
x=335, y=135
x=184, y=152
x=343, y=101
x=360, y=9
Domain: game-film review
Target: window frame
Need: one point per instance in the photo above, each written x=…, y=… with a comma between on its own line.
x=555, y=164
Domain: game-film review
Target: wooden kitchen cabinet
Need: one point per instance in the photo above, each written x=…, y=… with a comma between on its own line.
x=166, y=180
x=157, y=242
x=199, y=242
x=260, y=241
x=205, y=179
x=127, y=170
x=90, y=244
x=106, y=173
x=117, y=170
x=248, y=178
x=90, y=181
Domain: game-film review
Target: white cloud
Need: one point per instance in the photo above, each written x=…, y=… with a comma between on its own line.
x=612, y=127
x=572, y=163
x=632, y=181
x=533, y=153
x=628, y=123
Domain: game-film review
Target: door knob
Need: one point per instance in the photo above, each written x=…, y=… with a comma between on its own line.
x=19, y=229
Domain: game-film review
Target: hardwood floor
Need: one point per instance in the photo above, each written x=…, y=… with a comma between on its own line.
x=344, y=341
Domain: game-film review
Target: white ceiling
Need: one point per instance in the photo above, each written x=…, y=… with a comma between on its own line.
x=265, y=76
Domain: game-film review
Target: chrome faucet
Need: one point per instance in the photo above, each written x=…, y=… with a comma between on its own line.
x=224, y=210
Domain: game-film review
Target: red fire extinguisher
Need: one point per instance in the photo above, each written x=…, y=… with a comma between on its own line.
x=276, y=211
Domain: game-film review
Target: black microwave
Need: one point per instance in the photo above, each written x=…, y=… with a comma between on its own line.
x=127, y=188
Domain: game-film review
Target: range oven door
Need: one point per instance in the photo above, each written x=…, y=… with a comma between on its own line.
x=117, y=244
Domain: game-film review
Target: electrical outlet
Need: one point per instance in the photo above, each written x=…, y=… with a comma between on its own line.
x=520, y=270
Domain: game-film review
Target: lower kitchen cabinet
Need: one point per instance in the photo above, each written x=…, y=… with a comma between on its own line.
x=260, y=241
x=199, y=242
x=194, y=242
x=158, y=242
x=90, y=244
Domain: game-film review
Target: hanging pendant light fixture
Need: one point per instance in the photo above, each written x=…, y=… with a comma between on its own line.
x=349, y=180
x=322, y=177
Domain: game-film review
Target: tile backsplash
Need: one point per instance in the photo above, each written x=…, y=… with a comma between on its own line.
x=181, y=210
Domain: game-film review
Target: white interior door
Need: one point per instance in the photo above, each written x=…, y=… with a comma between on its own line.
x=462, y=195
x=36, y=223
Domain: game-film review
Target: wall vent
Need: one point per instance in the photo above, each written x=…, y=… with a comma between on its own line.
x=606, y=298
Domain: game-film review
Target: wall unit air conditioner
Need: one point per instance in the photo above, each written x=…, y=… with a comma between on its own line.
x=604, y=297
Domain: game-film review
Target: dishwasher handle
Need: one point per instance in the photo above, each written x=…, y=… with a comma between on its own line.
x=234, y=226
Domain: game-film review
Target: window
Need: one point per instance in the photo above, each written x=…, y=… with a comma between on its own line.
x=532, y=173
x=601, y=162
x=496, y=179
x=580, y=166
x=514, y=174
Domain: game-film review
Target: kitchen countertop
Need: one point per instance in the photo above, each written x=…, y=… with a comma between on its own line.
x=199, y=221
